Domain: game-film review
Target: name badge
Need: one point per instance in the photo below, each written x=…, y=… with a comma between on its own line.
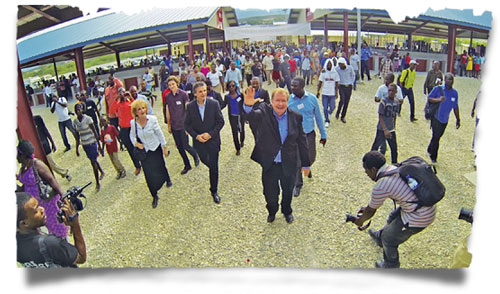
x=300, y=106
x=188, y=91
x=239, y=99
x=453, y=99
x=178, y=102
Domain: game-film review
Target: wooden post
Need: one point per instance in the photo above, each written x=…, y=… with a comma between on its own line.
x=26, y=128
x=325, y=31
x=190, y=42
x=452, y=39
x=346, y=33
x=207, y=42
x=80, y=68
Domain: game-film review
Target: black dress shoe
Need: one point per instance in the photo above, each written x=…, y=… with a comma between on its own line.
x=237, y=152
x=413, y=119
x=296, y=191
x=155, y=201
x=270, y=218
x=169, y=184
x=242, y=144
x=383, y=264
x=216, y=197
x=67, y=149
x=289, y=218
x=196, y=161
x=342, y=120
x=310, y=175
x=185, y=170
x=375, y=236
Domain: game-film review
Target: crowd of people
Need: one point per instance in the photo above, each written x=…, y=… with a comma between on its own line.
x=282, y=123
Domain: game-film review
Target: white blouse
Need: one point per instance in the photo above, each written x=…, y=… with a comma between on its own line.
x=151, y=135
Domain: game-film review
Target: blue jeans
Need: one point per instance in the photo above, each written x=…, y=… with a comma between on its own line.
x=328, y=105
x=63, y=125
x=355, y=79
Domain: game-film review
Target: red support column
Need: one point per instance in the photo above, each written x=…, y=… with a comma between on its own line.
x=207, y=43
x=224, y=45
x=346, y=33
x=325, y=31
x=80, y=68
x=452, y=39
x=26, y=128
x=190, y=42
x=169, y=48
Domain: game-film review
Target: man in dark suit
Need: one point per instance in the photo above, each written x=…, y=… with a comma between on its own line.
x=214, y=94
x=204, y=122
x=280, y=147
x=260, y=92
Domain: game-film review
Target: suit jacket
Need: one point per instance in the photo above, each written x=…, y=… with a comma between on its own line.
x=217, y=96
x=264, y=94
x=212, y=123
x=294, y=151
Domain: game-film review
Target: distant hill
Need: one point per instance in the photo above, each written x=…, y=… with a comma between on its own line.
x=263, y=20
x=246, y=13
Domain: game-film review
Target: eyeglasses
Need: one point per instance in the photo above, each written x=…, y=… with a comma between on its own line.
x=232, y=86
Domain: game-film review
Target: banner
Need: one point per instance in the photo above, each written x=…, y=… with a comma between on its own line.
x=266, y=32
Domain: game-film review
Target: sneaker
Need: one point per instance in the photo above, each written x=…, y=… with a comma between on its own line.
x=119, y=176
x=68, y=177
x=123, y=174
x=327, y=124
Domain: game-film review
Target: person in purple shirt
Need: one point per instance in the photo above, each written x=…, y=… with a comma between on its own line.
x=447, y=96
x=175, y=113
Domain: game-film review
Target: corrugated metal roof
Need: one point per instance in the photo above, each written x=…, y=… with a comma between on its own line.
x=460, y=17
x=111, y=25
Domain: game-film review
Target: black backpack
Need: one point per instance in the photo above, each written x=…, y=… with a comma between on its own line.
x=399, y=83
x=430, y=109
x=429, y=190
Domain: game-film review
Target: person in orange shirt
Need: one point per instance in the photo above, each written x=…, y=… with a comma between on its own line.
x=122, y=109
x=110, y=95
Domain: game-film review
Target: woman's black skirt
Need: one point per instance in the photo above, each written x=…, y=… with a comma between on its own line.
x=155, y=170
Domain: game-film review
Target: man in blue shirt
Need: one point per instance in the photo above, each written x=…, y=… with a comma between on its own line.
x=346, y=80
x=365, y=56
x=307, y=105
x=279, y=138
x=448, y=99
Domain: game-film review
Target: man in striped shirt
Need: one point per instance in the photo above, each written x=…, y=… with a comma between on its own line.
x=402, y=222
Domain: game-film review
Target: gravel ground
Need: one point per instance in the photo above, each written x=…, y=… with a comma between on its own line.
x=188, y=229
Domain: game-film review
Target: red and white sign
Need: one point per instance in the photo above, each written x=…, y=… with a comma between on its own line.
x=309, y=14
x=220, y=24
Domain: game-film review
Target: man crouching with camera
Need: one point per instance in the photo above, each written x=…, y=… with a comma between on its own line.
x=38, y=250
x=404, y=221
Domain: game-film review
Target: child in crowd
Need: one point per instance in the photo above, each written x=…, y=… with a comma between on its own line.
x=109, y=137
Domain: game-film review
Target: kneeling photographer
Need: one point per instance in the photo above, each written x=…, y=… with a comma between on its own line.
x=408, y=219
x=38, y=250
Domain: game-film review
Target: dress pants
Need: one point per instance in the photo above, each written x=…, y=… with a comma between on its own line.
x=438, y=129
x=411, y=98
x=210, y=157
x=124, y=135
x=365, y=68
x=237, y=127
x=345, y=96
x=63, y=172
x=311, y=145
x=272, y=179
x=182, y=144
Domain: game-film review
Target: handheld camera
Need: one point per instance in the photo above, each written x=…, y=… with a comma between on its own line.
x=73, y=195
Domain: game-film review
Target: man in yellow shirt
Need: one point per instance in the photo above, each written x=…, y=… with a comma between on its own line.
x=406, y=80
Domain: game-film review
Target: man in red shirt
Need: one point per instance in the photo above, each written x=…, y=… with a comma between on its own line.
x=293, y=67
x=110, y=95
x=121, y=107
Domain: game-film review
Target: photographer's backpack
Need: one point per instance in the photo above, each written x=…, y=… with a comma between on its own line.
x=429, y=189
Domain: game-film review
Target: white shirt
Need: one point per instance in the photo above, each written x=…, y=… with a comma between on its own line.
x=148, y=78
x=61, y=111
x=151, y=135
x=220, y=68
x=214, y=78
x=329, y=78
x=268, y=62
x=383, y=93
x=353, y=61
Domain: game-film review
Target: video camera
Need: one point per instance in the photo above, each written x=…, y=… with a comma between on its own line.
x=466, y=215
x=73, y=195
x=352, y=218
